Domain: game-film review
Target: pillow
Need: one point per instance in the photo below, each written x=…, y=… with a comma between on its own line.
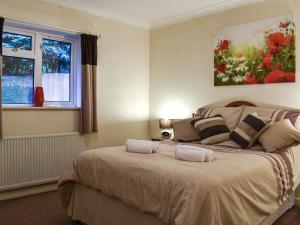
x=249, y=130
x=293, y=115
x=184, y=130
x=203, y=112
x=231, y=115
x=279, y=136
x=262, y=112
x=211, y=130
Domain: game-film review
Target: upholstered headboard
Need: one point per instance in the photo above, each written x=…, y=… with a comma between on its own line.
x=240, y=103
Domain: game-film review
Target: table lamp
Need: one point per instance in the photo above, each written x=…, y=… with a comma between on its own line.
x=165, y=125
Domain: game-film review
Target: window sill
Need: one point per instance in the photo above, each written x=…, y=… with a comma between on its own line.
x=64, y=108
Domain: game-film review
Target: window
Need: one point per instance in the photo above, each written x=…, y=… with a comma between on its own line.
x=16, y=41
x=32, y=59
x=56, y=70
x=17, y=80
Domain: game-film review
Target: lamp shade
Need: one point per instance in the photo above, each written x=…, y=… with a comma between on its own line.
x=165, y=123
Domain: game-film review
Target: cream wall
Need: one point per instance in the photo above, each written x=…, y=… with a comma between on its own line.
x=123, y=84
x=181, y=64
x=31, y=122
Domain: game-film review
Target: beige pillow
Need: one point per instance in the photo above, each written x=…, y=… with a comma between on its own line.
x=184, y=130
x=262, y=112
x=279, y=136
x=231, y=115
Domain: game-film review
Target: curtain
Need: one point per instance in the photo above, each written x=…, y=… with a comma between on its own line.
x=1, y=31
x=88, y=112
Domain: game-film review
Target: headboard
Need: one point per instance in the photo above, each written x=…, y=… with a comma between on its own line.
x=240, y=103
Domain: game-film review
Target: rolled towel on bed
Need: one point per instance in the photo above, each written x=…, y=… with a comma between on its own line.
x=193, y=153
x=142, y=146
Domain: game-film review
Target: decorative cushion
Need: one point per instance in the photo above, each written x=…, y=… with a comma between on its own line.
x=184, y=130
x=279, y=136
x=231, y=115
x=293, y=115
x=249, y=130
x=262, y=112
x=211, y=130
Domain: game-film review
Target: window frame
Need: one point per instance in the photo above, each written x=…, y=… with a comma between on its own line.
x=36, y=54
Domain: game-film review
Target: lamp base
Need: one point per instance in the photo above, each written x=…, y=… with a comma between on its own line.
x=165, y=134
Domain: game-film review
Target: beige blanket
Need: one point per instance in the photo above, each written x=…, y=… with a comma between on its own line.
x=238, y=187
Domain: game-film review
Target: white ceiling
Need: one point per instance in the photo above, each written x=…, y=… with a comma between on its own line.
x=151, y=13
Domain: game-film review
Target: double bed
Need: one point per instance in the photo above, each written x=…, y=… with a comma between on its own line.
x=110, y=186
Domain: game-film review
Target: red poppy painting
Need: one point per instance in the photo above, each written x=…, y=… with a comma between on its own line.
x=260, y=52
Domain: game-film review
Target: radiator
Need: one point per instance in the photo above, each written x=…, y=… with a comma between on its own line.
x=34, y=160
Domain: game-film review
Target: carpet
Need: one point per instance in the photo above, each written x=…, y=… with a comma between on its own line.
x=40, y=209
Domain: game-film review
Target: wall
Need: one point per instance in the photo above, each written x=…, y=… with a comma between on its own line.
x=181, y=64
x=19, y=122
x=123, y=71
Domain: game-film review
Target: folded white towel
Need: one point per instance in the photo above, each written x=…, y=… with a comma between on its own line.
x=142, y=146
x=193, y=153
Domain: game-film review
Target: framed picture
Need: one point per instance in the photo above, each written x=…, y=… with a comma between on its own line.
x=259, y=52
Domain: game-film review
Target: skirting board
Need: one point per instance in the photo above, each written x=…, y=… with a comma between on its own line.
x=27, y=191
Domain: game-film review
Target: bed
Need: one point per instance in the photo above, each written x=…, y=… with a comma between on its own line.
x=110, y=186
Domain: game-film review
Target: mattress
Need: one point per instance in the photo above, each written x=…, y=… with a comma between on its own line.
x=238, y=187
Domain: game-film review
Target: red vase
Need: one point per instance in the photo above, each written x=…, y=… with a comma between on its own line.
x=39, y=97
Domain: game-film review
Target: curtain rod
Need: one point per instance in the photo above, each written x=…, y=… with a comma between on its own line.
x=53, y=27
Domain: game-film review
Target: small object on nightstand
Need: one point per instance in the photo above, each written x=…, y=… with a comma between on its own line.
x=166, y=125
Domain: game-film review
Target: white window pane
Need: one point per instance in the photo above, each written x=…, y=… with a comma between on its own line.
x=56, y=70
x=56, y=87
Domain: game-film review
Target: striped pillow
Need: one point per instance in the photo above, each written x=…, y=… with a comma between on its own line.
x=293, y=115
x=231, y=115
x=203, y=112
x=211, y=130
x=249, y=130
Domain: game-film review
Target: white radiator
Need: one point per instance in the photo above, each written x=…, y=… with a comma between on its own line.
x=33, y=160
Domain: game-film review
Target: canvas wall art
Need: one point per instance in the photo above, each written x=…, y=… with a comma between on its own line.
x=259, y=52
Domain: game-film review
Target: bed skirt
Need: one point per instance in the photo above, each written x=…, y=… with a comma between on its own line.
x=94, y=208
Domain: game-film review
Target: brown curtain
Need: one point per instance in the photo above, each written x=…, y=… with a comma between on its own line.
x=1, y=31
x=88, y=113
